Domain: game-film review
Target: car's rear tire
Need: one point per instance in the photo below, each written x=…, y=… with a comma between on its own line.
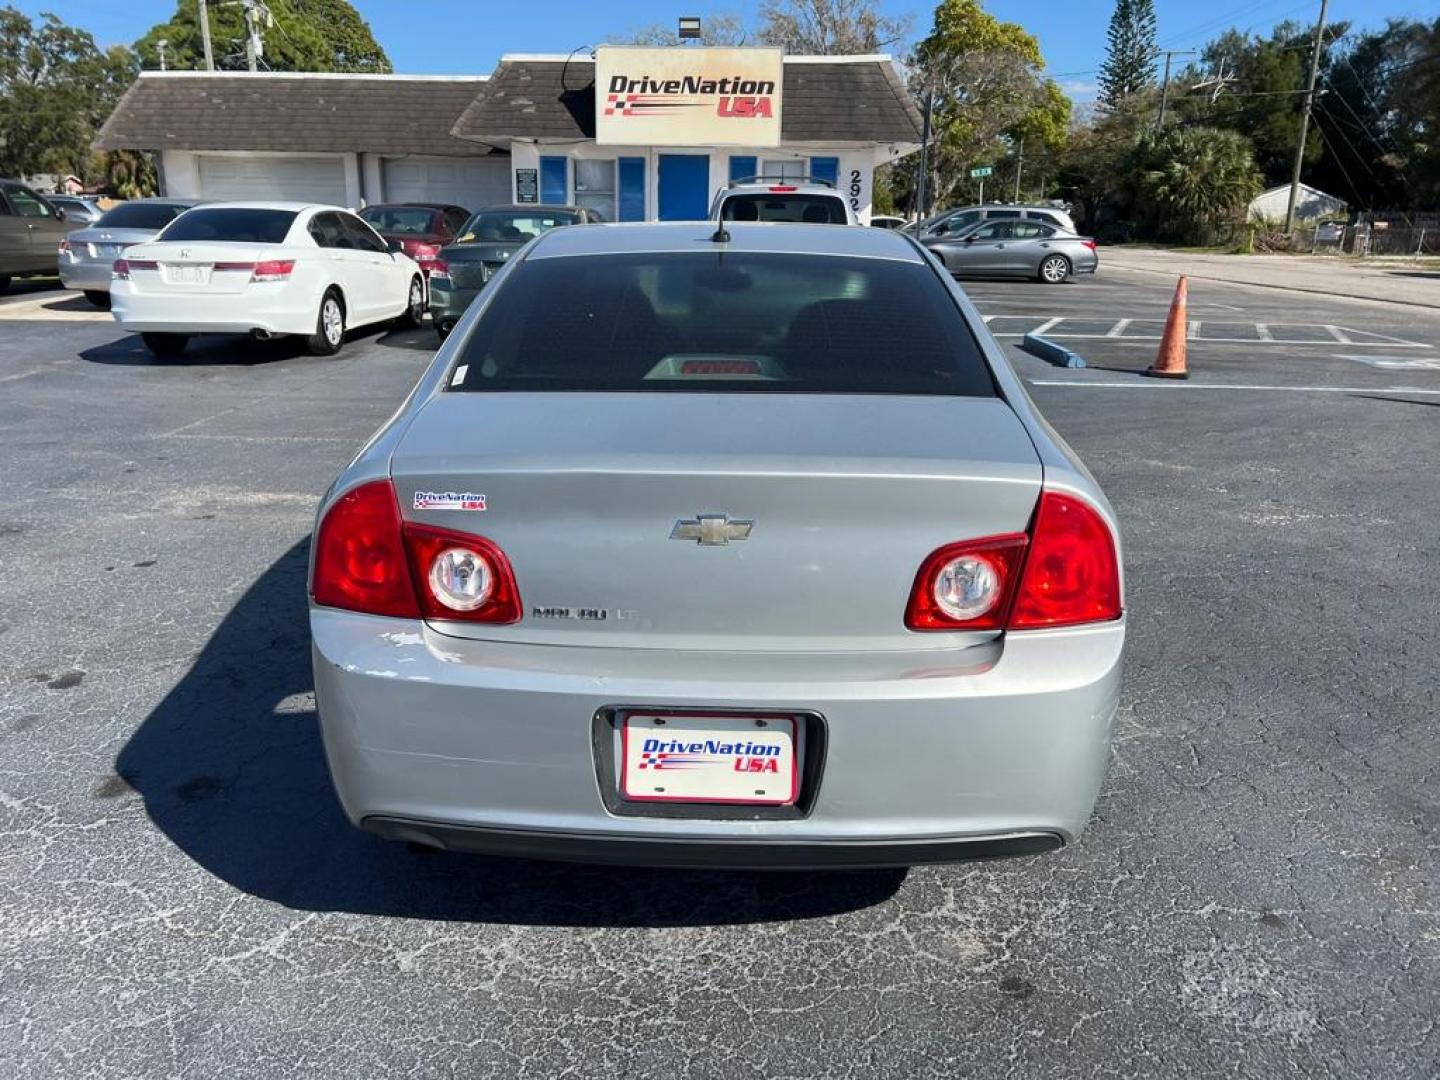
x=414, y=312
x=4, y=282
x=166, y=346
x=98, y=297
x=442, y=329
x=329, y=326
x=1054, y=269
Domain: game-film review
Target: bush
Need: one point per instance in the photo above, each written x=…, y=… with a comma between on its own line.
x=1191, y=182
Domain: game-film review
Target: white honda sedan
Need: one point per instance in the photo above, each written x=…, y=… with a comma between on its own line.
x=263, y=269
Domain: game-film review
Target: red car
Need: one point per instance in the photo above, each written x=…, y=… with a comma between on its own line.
x=421, y=229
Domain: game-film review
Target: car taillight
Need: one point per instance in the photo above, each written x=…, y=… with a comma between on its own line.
x=967, y=586
x=1065, y=572
x=439, y=268
x=273, y=270
x=367, y=560
x=360, y=562
x=461, y=576
x=122, y=267
x=1088, y=243
x=782, y=187
x=268, y=270
x=64, y=246
x=1072, y=573
x=423, y=251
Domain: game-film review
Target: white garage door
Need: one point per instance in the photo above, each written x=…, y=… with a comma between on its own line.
x=473, y=183
x=302, y=179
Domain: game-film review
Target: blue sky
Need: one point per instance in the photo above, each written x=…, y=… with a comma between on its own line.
x=468, y=36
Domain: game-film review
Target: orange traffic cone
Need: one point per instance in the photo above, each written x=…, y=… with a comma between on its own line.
x=1170, y=360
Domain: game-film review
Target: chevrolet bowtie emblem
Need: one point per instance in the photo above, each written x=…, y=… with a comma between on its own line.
x=711, y=529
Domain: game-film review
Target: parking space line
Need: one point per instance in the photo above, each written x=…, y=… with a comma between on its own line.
x=1118, y=328
x=1047, y=324
x=1339, y=335
x=1087, y=384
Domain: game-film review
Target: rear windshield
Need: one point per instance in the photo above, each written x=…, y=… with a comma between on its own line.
x=231, y=223
x=705, y=322
x=814, y=209
x=140, y=215
x=513, y=226
x=400, y=220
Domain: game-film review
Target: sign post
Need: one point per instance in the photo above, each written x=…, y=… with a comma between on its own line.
x=979, y=173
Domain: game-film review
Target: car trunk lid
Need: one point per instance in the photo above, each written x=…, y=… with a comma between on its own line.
x=607, y=504
x=216, y=267
x=471, y=265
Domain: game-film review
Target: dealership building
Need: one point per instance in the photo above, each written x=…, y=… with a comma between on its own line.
x=635, y=134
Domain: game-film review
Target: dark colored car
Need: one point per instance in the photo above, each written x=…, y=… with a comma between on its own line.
x=481, y=250
x=30, y=233
x=421, y=229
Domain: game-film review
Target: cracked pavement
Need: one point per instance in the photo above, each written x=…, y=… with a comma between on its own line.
x=180, y=896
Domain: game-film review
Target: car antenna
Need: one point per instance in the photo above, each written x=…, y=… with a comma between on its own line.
x=720, y=236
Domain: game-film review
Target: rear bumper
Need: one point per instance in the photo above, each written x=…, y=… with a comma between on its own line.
x=929, y=755
x=276, y=308
x=609, y=849
x=89, y=276
x=447, y=303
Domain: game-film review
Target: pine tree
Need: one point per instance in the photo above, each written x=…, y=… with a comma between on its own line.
x=1130, y=53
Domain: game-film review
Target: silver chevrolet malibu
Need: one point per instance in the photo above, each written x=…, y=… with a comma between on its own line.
x=741, y=548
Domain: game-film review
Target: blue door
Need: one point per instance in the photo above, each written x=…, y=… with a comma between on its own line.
x=684, y=188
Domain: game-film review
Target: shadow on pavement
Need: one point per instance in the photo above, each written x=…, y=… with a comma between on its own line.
x=231, y=768
x=204, y=350
x=71, y=301
x=419, y=339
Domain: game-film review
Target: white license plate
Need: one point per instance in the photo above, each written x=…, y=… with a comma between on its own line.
x=187, y=275
x=109, y=251
x=724, y=758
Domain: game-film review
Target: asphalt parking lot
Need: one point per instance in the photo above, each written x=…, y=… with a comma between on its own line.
x=1258, y=895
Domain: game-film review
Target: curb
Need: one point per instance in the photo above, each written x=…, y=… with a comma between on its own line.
x=1050, y=351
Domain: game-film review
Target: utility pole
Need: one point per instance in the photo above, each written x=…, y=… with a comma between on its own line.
x=924, y=155
x=160, y=47
x=256, y=14
x=1305, y=118
x=1165, y=85
x=205, y=36
x=1019, y=165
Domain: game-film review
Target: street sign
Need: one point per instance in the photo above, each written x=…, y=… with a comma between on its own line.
x=983, y=170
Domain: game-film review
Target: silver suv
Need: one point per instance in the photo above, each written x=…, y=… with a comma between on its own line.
x=801, y=199
x=964, y=217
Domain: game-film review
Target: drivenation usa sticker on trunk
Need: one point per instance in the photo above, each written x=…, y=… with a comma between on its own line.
x=449, y=500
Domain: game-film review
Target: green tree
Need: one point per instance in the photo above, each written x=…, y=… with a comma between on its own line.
x=1130, y=52
x=830, y=27
x=1377, y=118
x=1189, y=181
x=989, y=90
x=1261, y=95
x=308, y=35
x=56, y=89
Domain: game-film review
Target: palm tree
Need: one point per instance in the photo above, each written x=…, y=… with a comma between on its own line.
x=1189, y=180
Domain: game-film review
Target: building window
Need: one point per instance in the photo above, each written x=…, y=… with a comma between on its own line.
x=595, y=187
x=793, y=169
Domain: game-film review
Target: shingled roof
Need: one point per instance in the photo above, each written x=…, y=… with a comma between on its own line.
x=196, y=110
x=836, y=100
